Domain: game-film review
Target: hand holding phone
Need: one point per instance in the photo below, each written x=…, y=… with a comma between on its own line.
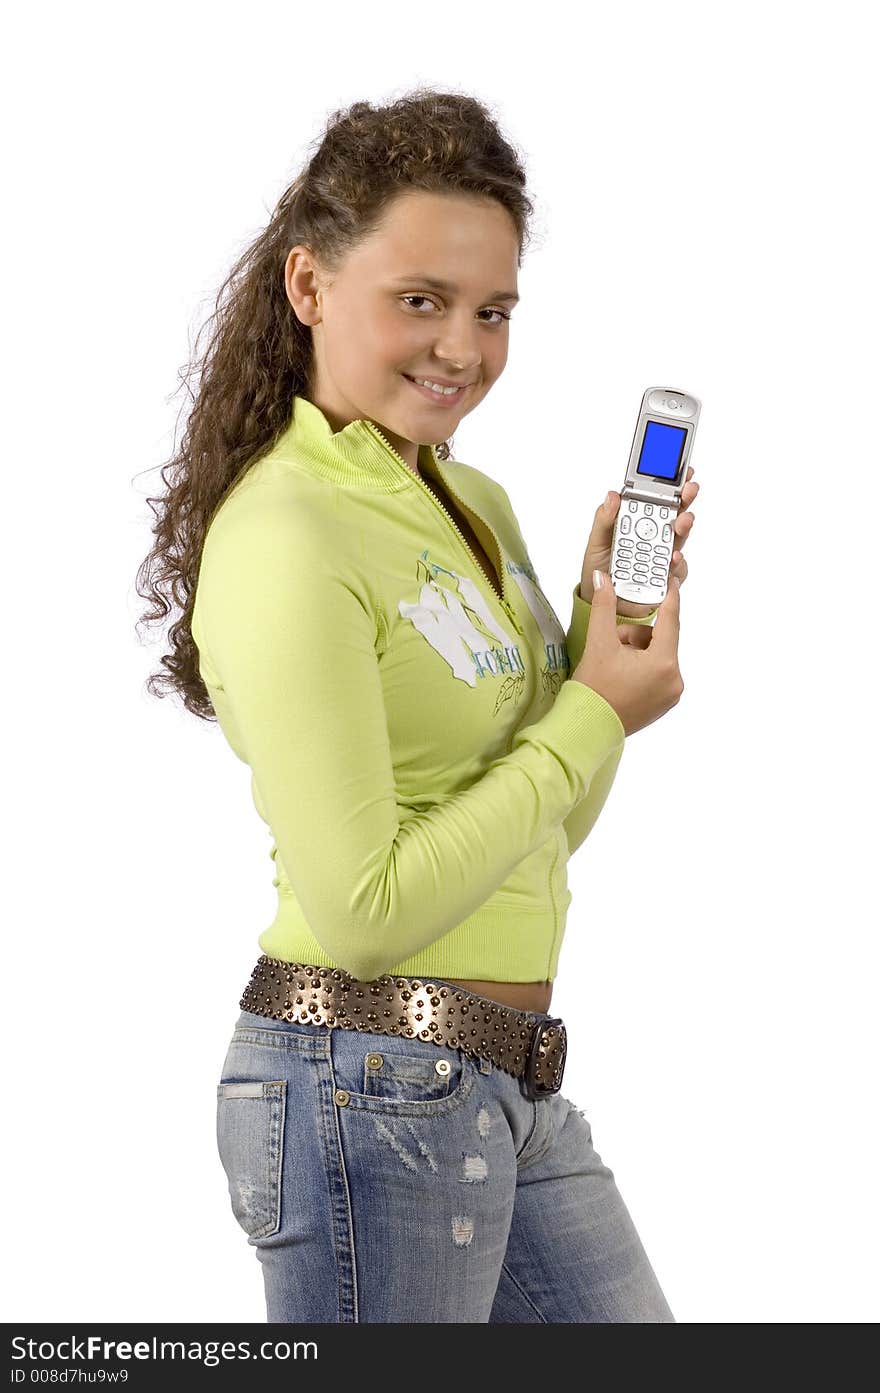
x=641, y=684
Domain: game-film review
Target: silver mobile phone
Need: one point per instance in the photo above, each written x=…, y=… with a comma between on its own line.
x=641, y=548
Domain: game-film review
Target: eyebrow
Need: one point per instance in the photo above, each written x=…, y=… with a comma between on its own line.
x=436, y=284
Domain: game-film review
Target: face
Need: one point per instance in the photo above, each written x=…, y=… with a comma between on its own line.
x=382, y=320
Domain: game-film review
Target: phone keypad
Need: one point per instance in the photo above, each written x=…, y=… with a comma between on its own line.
x=644, y=547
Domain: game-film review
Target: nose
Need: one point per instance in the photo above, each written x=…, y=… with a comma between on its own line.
x=458, y=346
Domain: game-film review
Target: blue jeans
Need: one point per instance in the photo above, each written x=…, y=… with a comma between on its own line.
x=385, y=1178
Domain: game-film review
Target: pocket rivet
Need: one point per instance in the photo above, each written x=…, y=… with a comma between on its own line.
x=340, y=1097
x=442, y=1066
x=374, y=1061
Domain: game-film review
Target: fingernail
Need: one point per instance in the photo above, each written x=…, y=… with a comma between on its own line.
x=597, y=580
x=608, y=498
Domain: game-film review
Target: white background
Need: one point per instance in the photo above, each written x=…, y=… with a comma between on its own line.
x=705, y=179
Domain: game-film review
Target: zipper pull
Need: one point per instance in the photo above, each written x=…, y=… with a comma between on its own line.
x=508, y=610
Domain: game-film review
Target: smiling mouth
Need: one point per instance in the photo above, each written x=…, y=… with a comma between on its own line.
x=441, y=396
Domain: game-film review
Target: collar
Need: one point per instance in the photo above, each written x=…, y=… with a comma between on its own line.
x=358, y=455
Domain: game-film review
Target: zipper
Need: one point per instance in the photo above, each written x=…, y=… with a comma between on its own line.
x=504, y=601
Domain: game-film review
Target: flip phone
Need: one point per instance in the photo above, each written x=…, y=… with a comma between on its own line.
x=641, y=547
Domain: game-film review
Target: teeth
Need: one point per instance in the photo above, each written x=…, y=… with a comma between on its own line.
x=435, y=386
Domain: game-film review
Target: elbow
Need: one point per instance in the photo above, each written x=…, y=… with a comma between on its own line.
x=363, y=966
x=353, y=952
x=361, y=935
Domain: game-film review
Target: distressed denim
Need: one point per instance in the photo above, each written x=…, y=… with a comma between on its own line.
x=376, y=1186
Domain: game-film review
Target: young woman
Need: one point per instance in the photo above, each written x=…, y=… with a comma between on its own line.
x=428, y=747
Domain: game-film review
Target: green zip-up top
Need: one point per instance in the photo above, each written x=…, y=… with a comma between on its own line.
x=423, y=760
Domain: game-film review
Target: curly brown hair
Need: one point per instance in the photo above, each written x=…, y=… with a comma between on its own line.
x=259, y=354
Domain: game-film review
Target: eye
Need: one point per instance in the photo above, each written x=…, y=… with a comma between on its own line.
x=502, y=313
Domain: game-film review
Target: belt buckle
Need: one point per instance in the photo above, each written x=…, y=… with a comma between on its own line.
x=530, y=1086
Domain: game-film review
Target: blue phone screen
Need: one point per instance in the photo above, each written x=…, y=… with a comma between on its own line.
x=661, y=450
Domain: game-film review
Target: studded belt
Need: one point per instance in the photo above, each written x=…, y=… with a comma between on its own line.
x=529, y=1046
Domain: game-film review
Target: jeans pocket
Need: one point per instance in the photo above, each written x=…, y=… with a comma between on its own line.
x=393, y=1079
x=250, y=1140
x=411, y=1078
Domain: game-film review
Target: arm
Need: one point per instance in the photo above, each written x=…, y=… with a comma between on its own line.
x=580, y=821
x=293, y=644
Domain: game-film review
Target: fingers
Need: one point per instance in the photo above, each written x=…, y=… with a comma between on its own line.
x=667, y=623
x=603, y=524
x=682, y=527
x=685, y=520
x=688, y=493
x=603, y=619
x=679, y=566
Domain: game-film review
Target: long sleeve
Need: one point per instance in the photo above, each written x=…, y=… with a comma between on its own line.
x=580, y=821
x=289, y=631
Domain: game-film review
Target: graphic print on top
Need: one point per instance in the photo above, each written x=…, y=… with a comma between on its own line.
x=556, y=669
x=459, y=626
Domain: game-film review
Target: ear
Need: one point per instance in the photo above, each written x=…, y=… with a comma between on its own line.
x=302, y=284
